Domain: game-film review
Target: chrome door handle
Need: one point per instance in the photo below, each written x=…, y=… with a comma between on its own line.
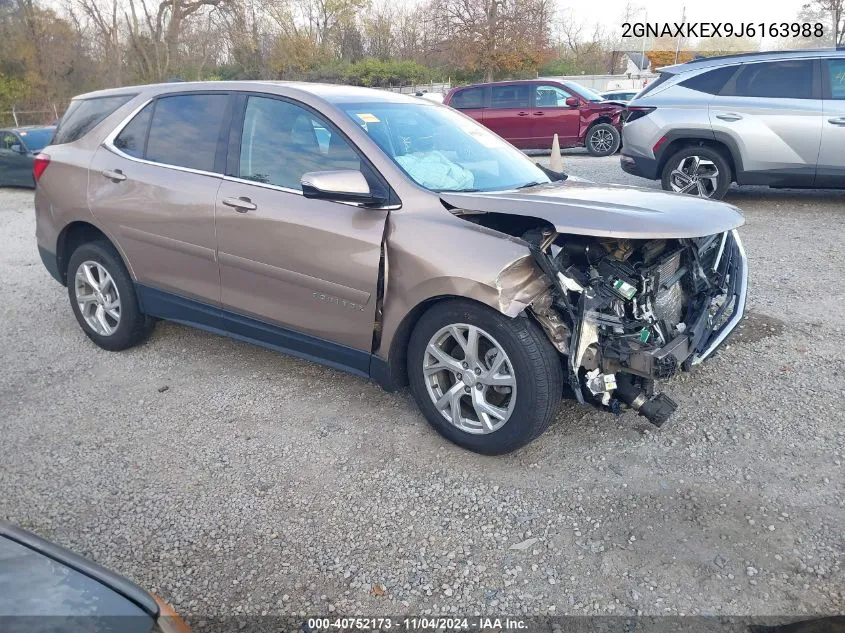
x=728, y=116
x=539, y=113
x=115, y=175
x=839, y=120
x=241, y=205
x=522, y=114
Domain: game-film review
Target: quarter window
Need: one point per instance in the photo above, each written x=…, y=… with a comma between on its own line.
x=282, y=141
x=132, y=138
x=788, y=79
x=550, y=97
x=836, y=74
x=185, y=129
x=712, y=81
x=84, y=114
x=468, y=98
x=511, y=96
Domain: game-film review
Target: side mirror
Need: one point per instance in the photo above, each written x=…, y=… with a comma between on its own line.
x=572, y=102
x=343, y=185
x=17, y=148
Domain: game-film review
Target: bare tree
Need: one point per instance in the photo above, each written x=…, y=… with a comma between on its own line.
x=154, y=33
x=831, y=13
x=105, y=20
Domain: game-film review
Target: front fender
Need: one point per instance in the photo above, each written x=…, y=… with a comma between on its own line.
x=436, y=255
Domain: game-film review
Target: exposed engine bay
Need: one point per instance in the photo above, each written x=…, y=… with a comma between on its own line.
x=628, y=312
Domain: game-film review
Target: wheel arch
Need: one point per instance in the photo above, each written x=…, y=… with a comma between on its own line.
x=74, y=235
x=397, y=353
x=722, y=145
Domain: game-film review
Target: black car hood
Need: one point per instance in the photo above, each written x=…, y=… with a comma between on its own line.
x=583, y=208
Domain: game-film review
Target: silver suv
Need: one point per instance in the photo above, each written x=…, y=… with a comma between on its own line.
x=775, y=119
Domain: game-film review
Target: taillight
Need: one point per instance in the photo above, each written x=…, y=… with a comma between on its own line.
x=39, y=164
x=632, y=113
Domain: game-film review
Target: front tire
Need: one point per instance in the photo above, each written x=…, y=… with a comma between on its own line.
x=602, y=139
x=484, y=381
x=697, y=171
x=102, y=296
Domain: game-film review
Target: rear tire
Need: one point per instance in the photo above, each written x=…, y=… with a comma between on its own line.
x=102, y=296
x=603, y=139
x=682, y=174
x=529, y=363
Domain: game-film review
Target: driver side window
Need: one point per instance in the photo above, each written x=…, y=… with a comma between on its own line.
x=281, y=141
x=550, y=97
x=9, y=140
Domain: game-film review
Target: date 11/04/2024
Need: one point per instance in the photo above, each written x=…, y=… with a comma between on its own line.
x=723, y=29
x=411, y=623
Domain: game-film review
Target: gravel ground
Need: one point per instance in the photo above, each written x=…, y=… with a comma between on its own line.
x=233, y=480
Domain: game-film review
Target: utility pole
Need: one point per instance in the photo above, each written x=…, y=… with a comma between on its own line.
x=678, y=42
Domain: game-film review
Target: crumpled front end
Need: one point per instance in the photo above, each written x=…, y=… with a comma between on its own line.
x=626, y=312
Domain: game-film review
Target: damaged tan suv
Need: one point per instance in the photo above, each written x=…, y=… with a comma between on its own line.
x=386, y=236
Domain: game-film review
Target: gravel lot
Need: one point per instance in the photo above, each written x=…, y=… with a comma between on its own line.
x=233, y=480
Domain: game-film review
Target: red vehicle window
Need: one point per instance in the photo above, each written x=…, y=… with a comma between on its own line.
x=513, y=96
x=468, y=98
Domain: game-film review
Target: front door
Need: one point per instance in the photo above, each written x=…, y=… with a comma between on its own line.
x=552, y=116
x=831, y=169
x=306, y=265
x=509, y=114
x=15, y=165
x=155, y=194
x=772, y=111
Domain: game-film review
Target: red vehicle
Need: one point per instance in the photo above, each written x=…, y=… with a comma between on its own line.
x=529, y=113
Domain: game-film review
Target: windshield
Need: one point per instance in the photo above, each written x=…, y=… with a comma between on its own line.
x=443, y=150
x=36, y=140
x=581, y=91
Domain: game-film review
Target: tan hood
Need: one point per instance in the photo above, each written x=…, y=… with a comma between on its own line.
x=583, y=208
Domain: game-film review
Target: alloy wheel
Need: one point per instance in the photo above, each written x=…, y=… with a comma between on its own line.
x=601, y=141
x=695, y=175
x=97, y=297
x=470, y=378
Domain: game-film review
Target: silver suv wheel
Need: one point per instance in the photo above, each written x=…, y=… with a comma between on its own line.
x=601, y=141
x=469, y=378
x=695, y=175
x=97, y=297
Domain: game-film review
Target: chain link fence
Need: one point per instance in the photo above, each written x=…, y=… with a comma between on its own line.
x=20, y=116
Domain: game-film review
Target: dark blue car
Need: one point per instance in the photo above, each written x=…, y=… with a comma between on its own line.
x=18, y=147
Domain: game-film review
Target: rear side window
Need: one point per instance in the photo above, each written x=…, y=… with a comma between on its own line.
x=84, y=114
x=712, y=81
x=514, y=96
x=836, y=78
x=468, y=98
x=788, y=79
x=184, y=130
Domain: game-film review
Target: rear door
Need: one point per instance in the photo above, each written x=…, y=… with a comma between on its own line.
x=831, y=167
x=471, y=101
x=772, y=113
x=509, y=114
x=153, y=185
x=309, y=266
x=551, y=116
